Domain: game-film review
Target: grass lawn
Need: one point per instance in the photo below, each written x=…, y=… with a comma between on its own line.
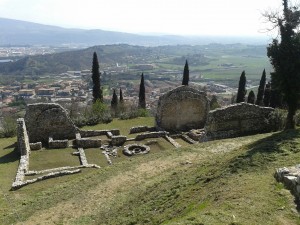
x=218, y=182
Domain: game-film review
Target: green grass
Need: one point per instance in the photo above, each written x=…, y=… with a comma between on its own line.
x=219, y=182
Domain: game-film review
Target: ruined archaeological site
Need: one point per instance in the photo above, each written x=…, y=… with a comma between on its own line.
x=182, y=114
x=216, y=163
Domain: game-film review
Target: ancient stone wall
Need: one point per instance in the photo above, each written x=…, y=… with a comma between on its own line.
x=290, y=177
x=238, y=120
x=23, y=141
x=48, y=119
x=182, y=109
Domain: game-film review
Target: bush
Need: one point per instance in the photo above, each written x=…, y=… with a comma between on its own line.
x=9, y=127
x=277, y=119
x=91, y=115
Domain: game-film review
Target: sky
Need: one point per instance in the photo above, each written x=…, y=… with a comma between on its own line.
x=184, y=17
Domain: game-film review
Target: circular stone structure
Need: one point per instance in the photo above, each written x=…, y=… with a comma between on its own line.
x=182, y=109
x=135, y=149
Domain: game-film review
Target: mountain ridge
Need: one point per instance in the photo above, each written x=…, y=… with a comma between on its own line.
x=18, y=32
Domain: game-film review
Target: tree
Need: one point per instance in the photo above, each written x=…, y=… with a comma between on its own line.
x=114, y=102
x=186, y=74
x=261, y=89
x=142, y=94
x=97, y=92
x=267, y=95
x=251, y=97
x=284, y=57
x=242, y=88
x=121, y=96
x=214, y=104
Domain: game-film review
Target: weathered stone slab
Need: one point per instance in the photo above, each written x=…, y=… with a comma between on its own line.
x=238, y=120
x=182, y=109
x=48, y=119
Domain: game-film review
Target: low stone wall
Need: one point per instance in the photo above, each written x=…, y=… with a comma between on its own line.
x=82, y=156
x=16, y=186
x=290, y=177
x=93, y=133
x=36, y=146
x=22, y=169
x=54, y=144
x=88, y=143
x=140, y=129
x=238, y=120
x=22, y=136
x=157, y=134
x=118, y=140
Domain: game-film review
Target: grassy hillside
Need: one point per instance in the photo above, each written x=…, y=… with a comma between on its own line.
x=220, y=182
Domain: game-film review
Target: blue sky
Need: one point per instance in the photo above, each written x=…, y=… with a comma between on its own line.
x=184, y=17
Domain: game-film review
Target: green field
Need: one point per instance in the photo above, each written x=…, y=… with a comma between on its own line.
x=219, y=182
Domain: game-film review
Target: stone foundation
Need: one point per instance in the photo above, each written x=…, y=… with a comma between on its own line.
x=140, y=129
x=157, y=134
x=55, y=144
x=290, y=177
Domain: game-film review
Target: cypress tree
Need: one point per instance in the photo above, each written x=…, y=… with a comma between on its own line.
x=284, y=54
x=186, y=74
x=97, y=92
x=142, y=94
x=267, y=94
x=121, y=96
x=251, y=97
x=242, y=88
x=261, y=89
x=114, y=102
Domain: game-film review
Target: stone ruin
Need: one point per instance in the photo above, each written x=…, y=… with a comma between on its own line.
x=48, y=120
x=290, y=177
x=238, y=120
x=182, y=109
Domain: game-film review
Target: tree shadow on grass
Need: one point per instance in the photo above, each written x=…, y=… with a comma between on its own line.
x=12, y=156
x=264, y=151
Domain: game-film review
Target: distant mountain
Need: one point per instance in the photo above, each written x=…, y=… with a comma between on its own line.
x=16, y=32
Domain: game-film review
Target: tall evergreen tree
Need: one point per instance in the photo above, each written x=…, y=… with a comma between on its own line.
x=267, y=95
x=142, y=94
x=251, y=97
x=114, y=100
x=242, y=88
x=114, y=103
x=186, y=74
x=261, y=89
x=284, y=56
x=121, y=96
x=97, y=92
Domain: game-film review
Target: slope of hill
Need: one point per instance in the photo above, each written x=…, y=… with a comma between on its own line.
x=165, y=57
x=220, y=182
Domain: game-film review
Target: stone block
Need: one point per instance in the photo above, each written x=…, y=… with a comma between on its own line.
x=35, y=146
x=118, y=140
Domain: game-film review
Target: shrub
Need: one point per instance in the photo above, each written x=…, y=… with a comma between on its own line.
x=278, y=119
x=9, y=127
